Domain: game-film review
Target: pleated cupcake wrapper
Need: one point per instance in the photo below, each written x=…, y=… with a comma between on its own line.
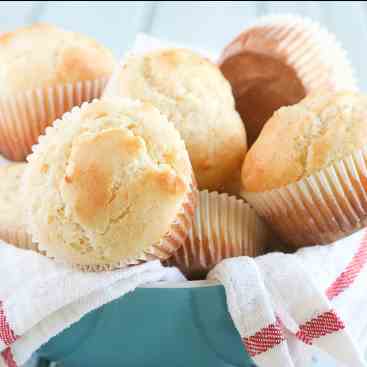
x=24, y=118
x=223, y=227
x=17, y=237
x=321, y=208
x=318, y=58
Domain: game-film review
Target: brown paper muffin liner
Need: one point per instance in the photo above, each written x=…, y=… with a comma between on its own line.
x=24, y=118
x=316, y=55
x=321, y=208
x=223, y=227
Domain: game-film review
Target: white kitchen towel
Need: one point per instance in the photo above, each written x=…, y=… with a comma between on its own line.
x=289, y=308
x=39, y=298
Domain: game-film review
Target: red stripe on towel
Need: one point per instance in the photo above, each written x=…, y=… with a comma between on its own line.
x=347, y=277
x=324, y=324
x=8, y=357
x=267, y=338
x=7, y=335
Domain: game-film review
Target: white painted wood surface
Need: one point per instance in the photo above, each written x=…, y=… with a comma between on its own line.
x=202, y=23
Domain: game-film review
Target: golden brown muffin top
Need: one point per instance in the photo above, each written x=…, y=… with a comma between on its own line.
x=43, y=55
x=302, y=139
x=106, y=182
x=192, y=92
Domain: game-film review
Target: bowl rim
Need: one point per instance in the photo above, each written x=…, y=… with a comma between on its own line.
x=182, y=284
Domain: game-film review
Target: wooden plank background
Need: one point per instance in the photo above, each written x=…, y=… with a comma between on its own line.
x=201, y=24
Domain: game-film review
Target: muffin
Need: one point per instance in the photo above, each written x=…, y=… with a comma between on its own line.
x=194, y=95
x=277, y=62
x=110, y=184
x=306, y=173
x=45, y=71
x=223, y=226
x=12, y=223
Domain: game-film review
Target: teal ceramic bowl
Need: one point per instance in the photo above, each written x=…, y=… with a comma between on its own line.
x=165, y=324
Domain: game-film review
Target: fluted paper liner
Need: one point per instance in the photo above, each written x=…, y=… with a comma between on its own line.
x=23, y=118
x=223, y=227
x=316, y=55
x=17, y=237
x=321, y=208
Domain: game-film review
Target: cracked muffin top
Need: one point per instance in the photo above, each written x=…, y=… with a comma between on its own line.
x=193, y=94
x=105, y=182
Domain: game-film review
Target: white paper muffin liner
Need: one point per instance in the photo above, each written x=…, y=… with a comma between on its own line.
x=321, y=208
x=17, y=237
x=311, y=50
x=223, y=227
x=23, y=118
